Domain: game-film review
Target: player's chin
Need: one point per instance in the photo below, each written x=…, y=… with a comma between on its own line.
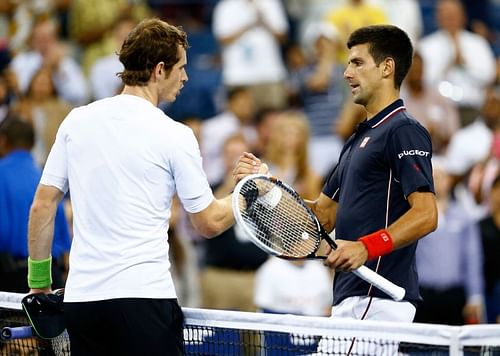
x=171, y=97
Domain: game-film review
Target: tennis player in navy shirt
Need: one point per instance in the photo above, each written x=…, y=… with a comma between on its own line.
x=380, y=197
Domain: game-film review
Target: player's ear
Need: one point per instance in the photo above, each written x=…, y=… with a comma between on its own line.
x=159, y=71
x=388, y=67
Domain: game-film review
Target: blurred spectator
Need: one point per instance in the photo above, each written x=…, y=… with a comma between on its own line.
x=16, y=21
x=48, y=51
x=231, y=259
x=237, y=117
x=45, y=110
x=287, y=154
x=265, y=119
x=457, y=62
x=104, y=81
x=483, y=18
x=250, y=33
x=472, y=144
x=92, y=23
x=437, y=114
x=483, y=173
x=449, y=262
x=203, y=94
x=350, y=16
x=321, y=88
x=407, y=15
x=19, y=177
x=9, y=91
x=490, y=233
x=294, y=287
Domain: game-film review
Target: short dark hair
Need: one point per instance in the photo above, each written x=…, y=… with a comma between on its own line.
x=386, y=41
x=150, y=42
x=17, y=132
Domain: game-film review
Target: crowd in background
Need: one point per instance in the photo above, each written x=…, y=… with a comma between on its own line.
x=266, y=76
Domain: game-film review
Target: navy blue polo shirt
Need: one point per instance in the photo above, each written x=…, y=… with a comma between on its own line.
x=384, y=161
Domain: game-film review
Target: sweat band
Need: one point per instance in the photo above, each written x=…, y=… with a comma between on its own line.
x=378, y=243
x=40, y=273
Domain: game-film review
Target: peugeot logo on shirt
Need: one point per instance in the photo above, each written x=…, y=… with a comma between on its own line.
x=413, y=153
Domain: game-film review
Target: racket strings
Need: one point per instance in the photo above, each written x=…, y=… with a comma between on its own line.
x=278, y=219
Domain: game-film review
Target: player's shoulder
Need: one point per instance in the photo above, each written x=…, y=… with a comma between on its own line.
x=406, y=121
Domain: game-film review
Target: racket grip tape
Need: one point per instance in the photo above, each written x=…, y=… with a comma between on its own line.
x=377, y=244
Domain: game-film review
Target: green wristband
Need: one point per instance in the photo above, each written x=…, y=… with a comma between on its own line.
x=40, y=273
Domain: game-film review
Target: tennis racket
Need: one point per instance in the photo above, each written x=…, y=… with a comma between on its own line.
x=277, y=220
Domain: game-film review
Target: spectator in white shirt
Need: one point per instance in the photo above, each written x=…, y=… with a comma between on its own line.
x=250, y=33
x=459, y=63
x=48, y=51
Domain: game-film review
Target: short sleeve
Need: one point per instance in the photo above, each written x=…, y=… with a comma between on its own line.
x=55, y=172
x=409, y=152
x=332, y=185
x=191, y=182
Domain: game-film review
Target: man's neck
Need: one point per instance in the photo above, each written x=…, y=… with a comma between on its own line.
x=381, y=102
x=144, y=92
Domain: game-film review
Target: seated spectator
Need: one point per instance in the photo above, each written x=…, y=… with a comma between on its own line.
x=45, y=110
x=437, y=114
x=458, y=62
x=237, y=117
x=449, y=262
x=9, y=91
x=304, y=287
x=351, y=15
x=19, y=177
x=48, y=51
x=287, y=154
x=104, y=81
x=490, y=233
x=250, y=34
x=92, y=24
x=483, y=173
x=322, y=90
x=470, y=146
x=231, y=259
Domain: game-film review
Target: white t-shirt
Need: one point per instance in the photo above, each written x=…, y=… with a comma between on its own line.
x=215, y=131
x=255, y=57
x=468, y=146
x=283, y=287
x=464, y=85
x=123, y=160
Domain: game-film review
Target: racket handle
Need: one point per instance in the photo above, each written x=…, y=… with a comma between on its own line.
x=394, y=291
x=18, y=332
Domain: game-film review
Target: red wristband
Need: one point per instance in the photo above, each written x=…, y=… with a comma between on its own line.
x=378, y=243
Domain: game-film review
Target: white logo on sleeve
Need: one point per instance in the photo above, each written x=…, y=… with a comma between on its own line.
x=413, y=153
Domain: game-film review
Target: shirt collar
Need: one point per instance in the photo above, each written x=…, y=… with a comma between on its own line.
x=385, y=114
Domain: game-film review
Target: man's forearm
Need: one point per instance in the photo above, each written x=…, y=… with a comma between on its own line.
x=40, y=231
x=41, y=222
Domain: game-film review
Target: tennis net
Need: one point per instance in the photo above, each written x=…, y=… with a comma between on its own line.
x=216, y=332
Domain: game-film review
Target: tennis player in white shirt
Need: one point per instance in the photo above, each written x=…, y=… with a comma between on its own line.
x=123, y=160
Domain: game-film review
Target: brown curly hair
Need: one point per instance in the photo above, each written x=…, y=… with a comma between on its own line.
x=150, y=42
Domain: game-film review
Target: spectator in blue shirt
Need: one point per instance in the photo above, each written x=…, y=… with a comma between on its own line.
x=19, y=177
